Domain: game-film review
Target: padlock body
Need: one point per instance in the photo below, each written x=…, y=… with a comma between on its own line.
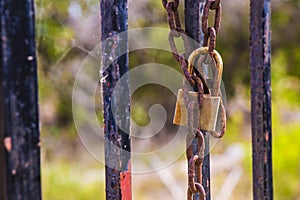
x=208, y=112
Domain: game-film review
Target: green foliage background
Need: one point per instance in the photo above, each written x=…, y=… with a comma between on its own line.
x=67, y=30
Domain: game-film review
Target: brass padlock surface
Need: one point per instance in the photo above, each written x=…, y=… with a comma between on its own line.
x=209, y=111
x=211, y=103
x=218, y=63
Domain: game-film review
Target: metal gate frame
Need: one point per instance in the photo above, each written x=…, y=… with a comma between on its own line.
x=20, y=161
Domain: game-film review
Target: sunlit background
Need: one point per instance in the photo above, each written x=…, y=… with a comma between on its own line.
x=67, y=30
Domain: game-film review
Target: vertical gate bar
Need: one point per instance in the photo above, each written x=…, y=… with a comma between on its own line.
x=2, y=148
x=19, y=128
x=260, y=67
x=193, y=14
x=116, y=106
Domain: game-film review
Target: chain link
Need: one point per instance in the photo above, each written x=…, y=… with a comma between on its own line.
x=212, y=40
x=215, y=4
x=210, y=33
x=205, y=17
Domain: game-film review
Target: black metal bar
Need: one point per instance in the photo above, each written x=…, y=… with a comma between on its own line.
x=260, y=55
x=193, y=27
x=117, y=147
x=193, y=14
x=2, y=149
x=206, y=168
x=19, y=131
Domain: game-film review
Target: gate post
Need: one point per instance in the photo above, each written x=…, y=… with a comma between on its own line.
x=117, y=141
x=260, y=67
x=19, y=122
x=193, y=27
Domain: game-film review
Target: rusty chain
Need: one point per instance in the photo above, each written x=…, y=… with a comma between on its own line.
x=210, y=34
x=194, y=160
x=198, y=83
x=176, y=32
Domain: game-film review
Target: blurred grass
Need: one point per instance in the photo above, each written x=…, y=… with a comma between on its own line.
x=78, y=178
x=64, y=181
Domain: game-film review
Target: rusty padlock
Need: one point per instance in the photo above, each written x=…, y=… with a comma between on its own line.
x=211, y=102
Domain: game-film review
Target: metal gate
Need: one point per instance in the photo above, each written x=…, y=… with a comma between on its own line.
x=19, y=122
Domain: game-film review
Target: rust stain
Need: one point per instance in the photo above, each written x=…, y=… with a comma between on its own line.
x=265, y=157
x=267, y=136
x=8, y=143
x=125, y=182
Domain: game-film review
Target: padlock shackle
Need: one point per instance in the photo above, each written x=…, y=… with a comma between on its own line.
x=219, y=64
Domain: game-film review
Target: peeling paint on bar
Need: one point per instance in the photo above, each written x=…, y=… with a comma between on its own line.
x=114, y=18
x=260, y=67
x=19, y=122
